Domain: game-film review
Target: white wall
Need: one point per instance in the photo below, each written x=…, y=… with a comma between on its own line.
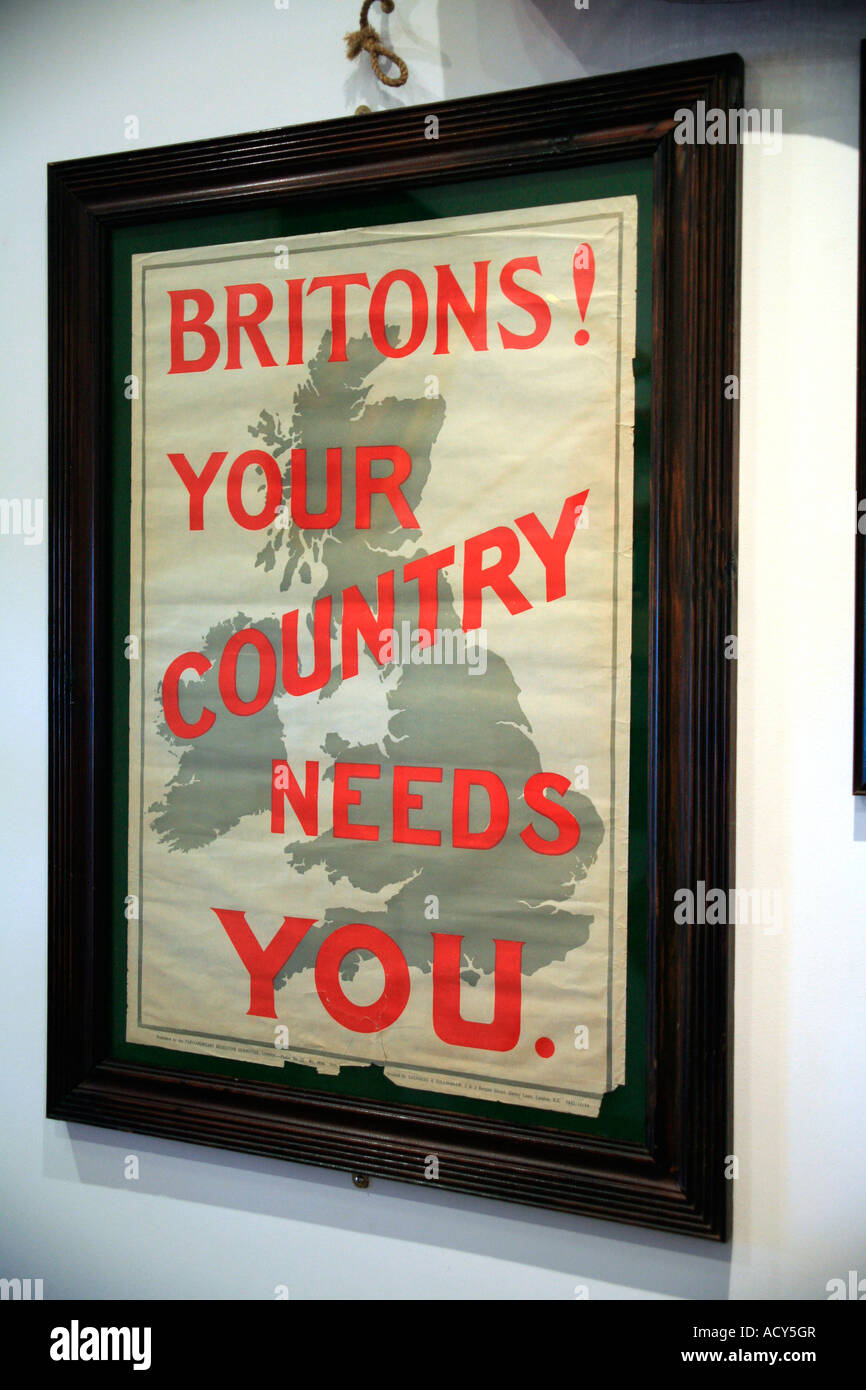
x=204, y=1224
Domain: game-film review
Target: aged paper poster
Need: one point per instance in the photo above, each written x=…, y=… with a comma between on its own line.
x=380, y=642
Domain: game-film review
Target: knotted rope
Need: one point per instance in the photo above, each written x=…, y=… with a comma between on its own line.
x=367, y=38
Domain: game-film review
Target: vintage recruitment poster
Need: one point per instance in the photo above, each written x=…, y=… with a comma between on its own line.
x=380, y=643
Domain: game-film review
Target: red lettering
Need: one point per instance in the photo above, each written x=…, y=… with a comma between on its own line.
x=196, y=484
x=294, y=682
x=503, y=1032
x=472, y=318
x=426, y=570
x=420, y=313
x=263, y=965
x=535, y=306
x=477, y=577
x=497, y=821
x=346, y=796
x=296, y=323
x=362, y=1018
x=317, y=521
x=181, y=327
x=406, y=801
x=249, y=323
x=189, y=661
x=285, y=787
x=389, y=486
x=359, y=620
x=255, y=458
x=228, y=672
x=551, y=549
x=562, y=818
x=338, y=285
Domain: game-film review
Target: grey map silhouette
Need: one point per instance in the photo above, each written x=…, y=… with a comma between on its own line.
x=438, y=715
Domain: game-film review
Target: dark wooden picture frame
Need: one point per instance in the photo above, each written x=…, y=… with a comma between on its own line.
x=675, y=1179
x=860, y=551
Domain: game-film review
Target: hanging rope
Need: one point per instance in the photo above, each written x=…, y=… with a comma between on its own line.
x=366, y=37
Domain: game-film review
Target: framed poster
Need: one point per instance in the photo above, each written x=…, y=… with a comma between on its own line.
x=393, y=562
